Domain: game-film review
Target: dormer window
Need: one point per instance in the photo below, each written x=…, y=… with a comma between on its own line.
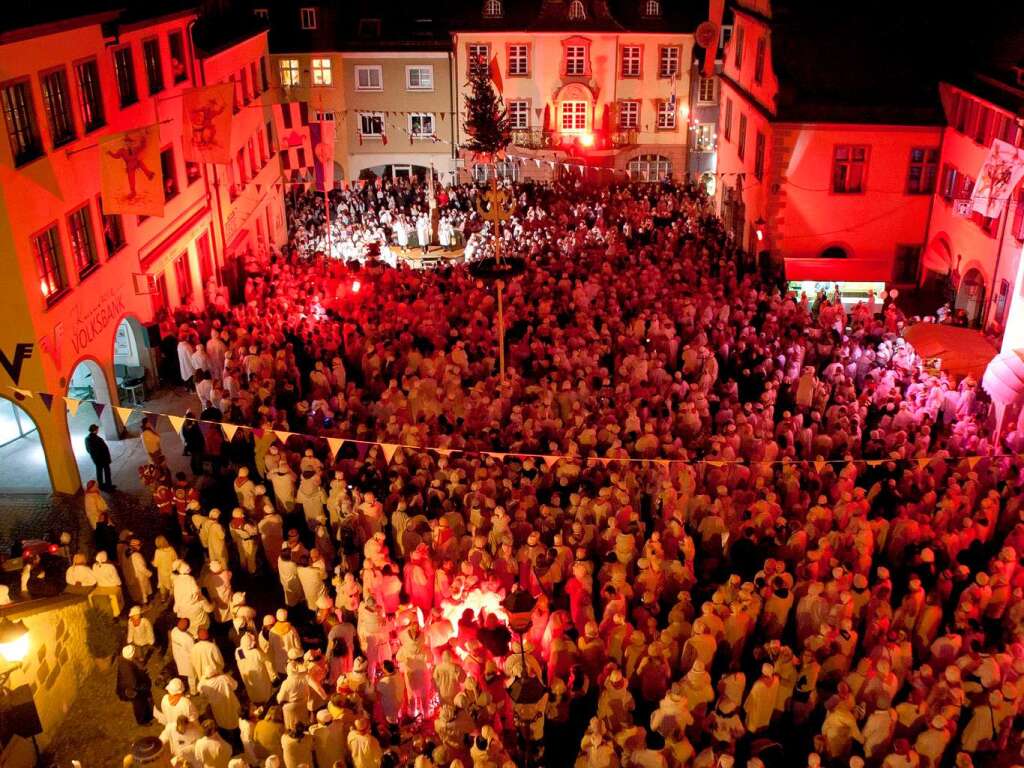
x=652, y=8
x=307, y=18
x=576, y=11
x=493, y=9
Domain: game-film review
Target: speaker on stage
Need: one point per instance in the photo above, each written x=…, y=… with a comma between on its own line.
x=153, y=335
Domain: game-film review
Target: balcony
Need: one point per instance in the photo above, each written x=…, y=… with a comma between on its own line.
x=539, y=138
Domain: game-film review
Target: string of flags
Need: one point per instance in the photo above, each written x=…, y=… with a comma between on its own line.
x=388, y=449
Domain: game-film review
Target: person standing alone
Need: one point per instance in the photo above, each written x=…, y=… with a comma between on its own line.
x=98, y=451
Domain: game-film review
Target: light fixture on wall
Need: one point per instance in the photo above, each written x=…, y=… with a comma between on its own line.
x=759, y=229
x=14, y=640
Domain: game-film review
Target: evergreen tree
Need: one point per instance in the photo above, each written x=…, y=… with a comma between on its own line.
x=486, y=120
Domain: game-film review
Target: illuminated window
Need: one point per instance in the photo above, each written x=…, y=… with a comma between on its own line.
x=576, y=11
x=921, y=173
x=706, y=90
x=22, y=130
x=518, y=60
x=668, y=61
x=849, y=165
x=493, y=9
x=419, y=78
x=575, y=59
x=629, y=114
x=369, y=78
x=738, y=59
x=307, y=17
x=741, y=138
x=666, y=116
x=631, y=61
x=371, y=124
x=704, y=137
x=574, y=116
x=652, y=8
x=57, y=101
x=261, y=13
x=421, y=125
x=46, y=246
x=124, y=68
x=83, y=248
x=519, y=114
x=649, y=168
x=179, y=59
x=759, y=61
x=290, y=72
x=321, y=69
x=479, y=56
x=90, y=96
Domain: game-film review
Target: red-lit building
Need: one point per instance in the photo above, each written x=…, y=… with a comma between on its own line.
x=83, y=284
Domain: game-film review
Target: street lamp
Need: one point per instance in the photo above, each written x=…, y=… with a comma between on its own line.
x=14, y=640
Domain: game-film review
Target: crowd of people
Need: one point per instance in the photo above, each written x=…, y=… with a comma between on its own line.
x=746, y=528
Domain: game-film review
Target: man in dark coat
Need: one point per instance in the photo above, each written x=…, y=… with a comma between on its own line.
x=134, y=685
x=98, y=451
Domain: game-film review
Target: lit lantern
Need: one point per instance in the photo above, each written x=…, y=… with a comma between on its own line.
x=759, y=229
x=587, y=140
x=519, y=606
x=356, y=285
x=13, y=640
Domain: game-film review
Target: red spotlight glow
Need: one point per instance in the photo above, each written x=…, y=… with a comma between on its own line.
x=356, y=285
x=760, y=234
x=587, y=140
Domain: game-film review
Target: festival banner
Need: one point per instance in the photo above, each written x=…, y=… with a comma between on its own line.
x=206, y=117
x=321, y=136
x=73, y=405
x=130, y=177
x=1002, y=171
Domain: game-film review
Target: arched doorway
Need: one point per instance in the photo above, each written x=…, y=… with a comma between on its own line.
x=834, y=252
x=970, y=296
x=23, y=465
x=134, y=370
x=88, y=385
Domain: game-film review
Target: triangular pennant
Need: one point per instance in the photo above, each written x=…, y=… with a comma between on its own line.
x=98, y=407
x=819, y=465
x=258, y=432
x=389, y=451
x=335, y=444
x=922, y=463
x=362, y=448
x=229, y=431
x=972, y=461
x=177, y=422
x=715, y=463
x=124, y=414
x=874, y=462
x=496, y=455
x=282, y=435
x=47, y=399
x=73, y=405
x=550, y=461
x=23, y=393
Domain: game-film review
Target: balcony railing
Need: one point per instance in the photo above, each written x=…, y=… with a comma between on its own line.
x=538, y=138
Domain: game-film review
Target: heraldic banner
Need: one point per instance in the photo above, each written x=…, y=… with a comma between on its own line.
x=321, y=136
x=1003, y=169
x=130, y=177
x=206, y=115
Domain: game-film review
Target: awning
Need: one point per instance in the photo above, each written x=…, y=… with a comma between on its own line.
x=839, y=270
x=962, y=351
x=1004, y=377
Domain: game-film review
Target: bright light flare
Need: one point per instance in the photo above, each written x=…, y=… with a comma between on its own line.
x=356, y=286
x=587, y=140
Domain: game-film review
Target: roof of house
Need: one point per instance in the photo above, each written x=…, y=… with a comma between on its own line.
x=599, y=16
x=22, y=17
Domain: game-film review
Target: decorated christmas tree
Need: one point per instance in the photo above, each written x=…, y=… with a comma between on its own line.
x=486, y=119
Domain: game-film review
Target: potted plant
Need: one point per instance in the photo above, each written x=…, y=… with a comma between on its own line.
x=102, y=635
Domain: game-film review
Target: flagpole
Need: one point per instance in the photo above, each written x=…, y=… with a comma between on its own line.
x=327, y=198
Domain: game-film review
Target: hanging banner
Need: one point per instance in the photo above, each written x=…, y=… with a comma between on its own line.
x=130, y=177
x=1002, y=171
x=321, y=135
x=206, y=117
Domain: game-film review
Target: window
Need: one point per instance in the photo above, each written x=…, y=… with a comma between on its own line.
x=57, y=102
x=371, y=124
x=759, y=156
x=421, y=125
x=493, y=9
x=154, y=65
x=179, y=59
x=369, y=78
x=575, y=59
x=652, y=9
x=738, y=56
x=704, y=137
x=631, y=61
x=950, y=182
x=649, y=168
x=89, y=93
x=479, y=56
x=741, y=140
x=261, y=13
x=192, y=173
x=668, y=61
x=321, y=71
x=574, y=116
x=83, y=249
x=727, y=121
x=22, y=129
x=46, y=246
x=666, y=116
x=255, y=78
x=270, y=139
x=518, y=60
x=307, y=18
x=506, y=169
x=183, y=276
x=263, y=74
x=629, y=114
x=982, y=126
x=706, y=90
x=907, y=261
x=113, y=229
x=243, y=85
x=170, y=174
x=124, y=67
x=290, y=72
x=759, y=60
x=419, y=78
x=576, y=11
x=924, y=167
x=848, y=167
x=236, y=99
x=519, y=114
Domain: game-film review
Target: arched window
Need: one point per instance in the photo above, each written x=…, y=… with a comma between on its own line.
x=649, y=168
x=652, y=8
x=493, y=9
x=576, y=11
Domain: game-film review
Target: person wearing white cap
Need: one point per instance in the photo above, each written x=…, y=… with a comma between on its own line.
x=363, y=746
x=245, y=490
x=932, y=742
x=134, y=685
x=293, y=695
x=271, y=530
x=215, y=539
x=246, y=537
x=140, y=632
x=219, y=691
x=216, y=580
x=255, y=669
x=329, y=742
x=211, y=749
x=282, y=480
x=282, y=642
x=176, y=704
x=108, y=583
x=206, y=657
x=759, y=705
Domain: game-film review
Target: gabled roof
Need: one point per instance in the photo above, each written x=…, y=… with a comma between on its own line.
x=21, y=17
x=679, y=16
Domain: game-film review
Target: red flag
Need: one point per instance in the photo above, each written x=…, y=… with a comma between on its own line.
x=495, y=72
x=384, y=138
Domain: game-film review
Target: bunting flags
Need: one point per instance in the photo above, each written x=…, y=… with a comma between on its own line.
x=73, y=405
x=282, y=436
x=229, y=430
x=177, y=422
x=22, y=394
x=131, y=179
x=99, y=408
x=389, y=451
x=47, y=399
x=123, y=414
x=334, y=443
x=206, y=121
